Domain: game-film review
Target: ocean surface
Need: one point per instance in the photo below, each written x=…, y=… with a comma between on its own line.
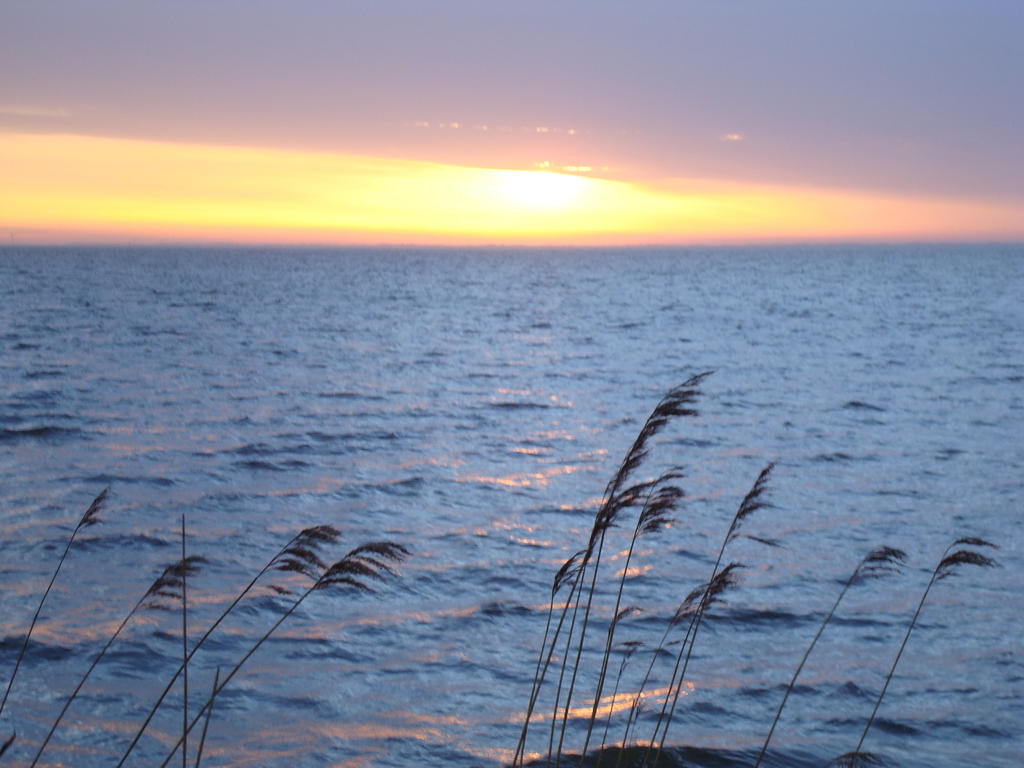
x=471, y=405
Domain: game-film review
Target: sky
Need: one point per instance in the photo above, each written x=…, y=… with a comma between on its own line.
x=487, y=121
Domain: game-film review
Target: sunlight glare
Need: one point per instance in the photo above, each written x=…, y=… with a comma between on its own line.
x=538, y=190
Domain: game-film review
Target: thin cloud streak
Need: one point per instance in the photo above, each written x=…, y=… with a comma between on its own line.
x=27, y=110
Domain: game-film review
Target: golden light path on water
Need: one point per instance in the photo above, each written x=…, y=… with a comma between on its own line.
x=62, y=187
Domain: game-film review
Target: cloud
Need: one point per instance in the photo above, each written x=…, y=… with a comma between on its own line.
x=731, y=137
x=547, y=165
x=29, y=110
x=487, y=127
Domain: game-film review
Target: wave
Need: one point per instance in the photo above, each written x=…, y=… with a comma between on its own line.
x=860, y=405
x=513, y=405
x=45, y=432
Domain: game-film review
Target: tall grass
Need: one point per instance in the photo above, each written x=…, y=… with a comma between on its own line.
x=567, y=574
x=628, y=648
x=368, y=561
x=301, y=555
x=948, y=566
x=585, y=598
x=89, y=518
x=719, y=582
x=660, y=502
x=170, y=584
x=579, y=594
x=621, y=494
x=879, y=562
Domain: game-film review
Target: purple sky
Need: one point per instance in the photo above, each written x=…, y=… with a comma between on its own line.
x=921, y=96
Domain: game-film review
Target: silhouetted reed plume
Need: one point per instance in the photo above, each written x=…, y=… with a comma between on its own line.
x=169, y=585
x=91, y=517
x=879, y=562
x=300, y=554
x=619, y=496
x=717, y=585
x=656, y=501
x=368, y=561
x=947, y=566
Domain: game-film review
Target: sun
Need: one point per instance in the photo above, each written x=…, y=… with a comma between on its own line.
x=538, y=190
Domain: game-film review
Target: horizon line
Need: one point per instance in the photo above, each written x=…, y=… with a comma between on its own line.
x=720, y=244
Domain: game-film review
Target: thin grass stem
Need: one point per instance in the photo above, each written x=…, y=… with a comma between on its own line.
x=171, y=578
x=206, y=723
x=184, y=652
x=308, y=538
x=660, y=499
x=364, y=561
x=569, y=572
x=752, y=502
x=579, y=649
x=234, y=670
x=574, y=601
x=631, y=646
x=875, y=563
x=89, y=518
x=634, y=710
x=946, y=567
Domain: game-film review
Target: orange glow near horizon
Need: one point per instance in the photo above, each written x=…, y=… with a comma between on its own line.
x=70, y=188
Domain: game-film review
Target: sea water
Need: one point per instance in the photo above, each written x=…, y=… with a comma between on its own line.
x=472, y=405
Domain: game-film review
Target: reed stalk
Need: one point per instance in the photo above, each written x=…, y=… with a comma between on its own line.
x=604, y=520
x=582, y=641
x=364, y=562
x=7, y=744
x=302, y=548
x=876, y=563
x=662, y=497
x=206, y=722
x=574, y=601
x=678, y=401
x=752, y=502
x=629, y=648
x=946, y=567
x=184, y=651
x=686, y=608
x=91, y=517
x=614, y=504
x=170, y=584
x=722, y=581
x=568, y=573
